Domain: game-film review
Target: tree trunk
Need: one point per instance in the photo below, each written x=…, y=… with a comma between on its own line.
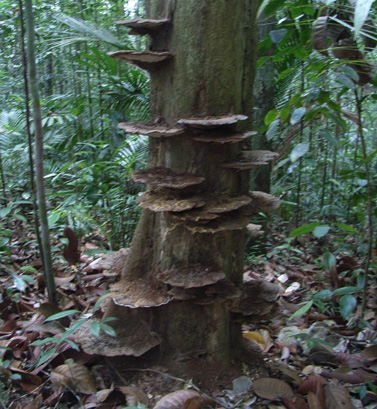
x=210, y=76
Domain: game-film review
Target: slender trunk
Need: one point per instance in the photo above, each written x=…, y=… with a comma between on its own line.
x=29, y=135
x=32, y=71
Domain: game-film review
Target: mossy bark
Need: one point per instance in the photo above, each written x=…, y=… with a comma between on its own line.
x=213, y=43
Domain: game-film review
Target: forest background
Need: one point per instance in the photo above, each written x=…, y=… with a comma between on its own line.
x=315, y=108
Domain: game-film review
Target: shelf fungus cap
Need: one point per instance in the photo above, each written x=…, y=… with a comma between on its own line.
x=160, y=176
x=160, y=202
x=224, y=204
x=152, y=130
x=212, y=121
x=138, y=293
x=146, y=60
x=261, y=202
x=143, y=26
x=252, y=159
x=254, y=230
x=233, y=138
x=193, y=276
x=225, y=223
x=133, y=337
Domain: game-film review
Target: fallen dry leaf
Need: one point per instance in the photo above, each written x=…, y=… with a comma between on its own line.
x=184, y=397
x=272, y=389
x=75, y=377
x=337, y=397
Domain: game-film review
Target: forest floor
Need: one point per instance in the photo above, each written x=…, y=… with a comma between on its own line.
x=318, y=351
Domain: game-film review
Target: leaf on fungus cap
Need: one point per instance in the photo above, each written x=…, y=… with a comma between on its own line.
x=164, y=177
x=191, y=276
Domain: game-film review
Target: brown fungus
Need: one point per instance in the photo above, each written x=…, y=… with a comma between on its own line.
x=138, y=293
x=213, y=138
x=261, y=202
x=212, y=121
x=160, y=176
x=146, y=60
x=225, y=223
x=152, y=130
x=133, y=336
x=252, y=159
x=161, y=202
x=193, y=276
x=143, y=26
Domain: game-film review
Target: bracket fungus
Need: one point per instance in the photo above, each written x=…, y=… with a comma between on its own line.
x=146, y=60
x=134, y=337
x=252, y=159
x=143, y=26
x=261, y=202
x=152, y=130
x=258, y=298
x=221, y=139
x=161, y=202
x=254, y=230
x=212, y=121
x=193, y=276
x=138, y=293
x=225, y=223
x=160, y=176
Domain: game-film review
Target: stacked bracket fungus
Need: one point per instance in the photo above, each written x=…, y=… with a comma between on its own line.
x=181, y=284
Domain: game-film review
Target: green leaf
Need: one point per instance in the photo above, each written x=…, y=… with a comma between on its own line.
x=95, y=328
x=99, y=301
x=346, y=290
x=62, y=314
x=361, y=13
x=321, y=231
x=306, y=228
x=262, y=60
x=46, y=356
x=323, y=295
x=346, y=81
x=302, y=310
x=277, y=35
x=109, y=330
x=271, y=116
x=346, y=227
x=5, y=211
x=329, y=260
x=273, y=127
x=298, y=151
x=327, y=135
x=297, y=115
x=347, y=304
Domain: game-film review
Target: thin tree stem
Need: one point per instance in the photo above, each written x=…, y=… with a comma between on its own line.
x=370, y=203
x=29, y=136
x=32, y=71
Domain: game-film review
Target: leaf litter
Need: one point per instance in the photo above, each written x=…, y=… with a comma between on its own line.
x=318, y=352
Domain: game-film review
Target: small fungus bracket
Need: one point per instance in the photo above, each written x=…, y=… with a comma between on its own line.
x=146, y=60
x=162, y=177
x=212, y=122
x=252, y=159
x=150, y=129
x=220, y=138
x=163, y=202
x=261, y=202
x=143, y=26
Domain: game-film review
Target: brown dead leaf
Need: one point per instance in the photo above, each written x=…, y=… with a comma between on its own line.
x=71, y=253
x=75, y=377
x=134, y=395
x=313, y=401
x=272, y=389
x=297, y=402
x=353, y=377
x=183, y=398
x=337, y=397
x=311, y=384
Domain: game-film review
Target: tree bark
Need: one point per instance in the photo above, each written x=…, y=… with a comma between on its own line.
x=211, y=73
